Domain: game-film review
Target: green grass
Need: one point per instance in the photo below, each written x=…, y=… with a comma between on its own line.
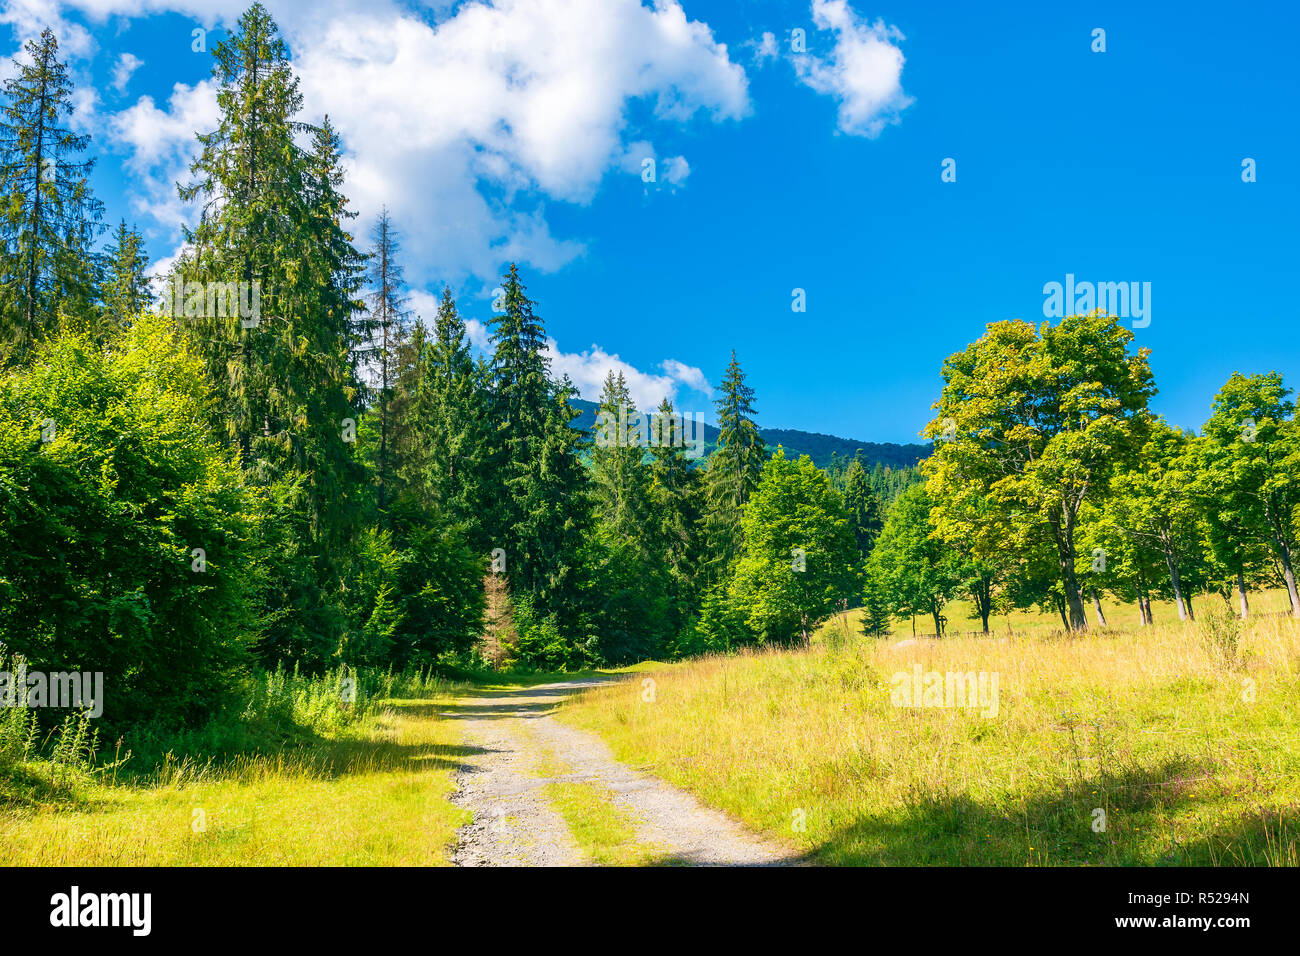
x=374, y=793
x=1186, y=737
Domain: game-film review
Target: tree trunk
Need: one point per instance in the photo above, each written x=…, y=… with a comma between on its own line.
x=1096, y=604
x=1063, y=532
x=1241, y=592
x=938, y=630
x=1284, y=556
x=1175, y=583
x=983, y=594
x=1144, y=612
x=1146, y=602
x=1060, y=609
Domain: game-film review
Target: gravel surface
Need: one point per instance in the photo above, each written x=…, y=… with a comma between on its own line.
x=514, y=824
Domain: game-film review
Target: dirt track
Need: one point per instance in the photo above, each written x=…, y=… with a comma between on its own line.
x=514, y=823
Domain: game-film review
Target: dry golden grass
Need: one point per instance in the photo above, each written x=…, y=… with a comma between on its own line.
x=1186, y=739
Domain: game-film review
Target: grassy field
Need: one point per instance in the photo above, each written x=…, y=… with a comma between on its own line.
x=1175, y=744
x=373, y=791
x=375, y=795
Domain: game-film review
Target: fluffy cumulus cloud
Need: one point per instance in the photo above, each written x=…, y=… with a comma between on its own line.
x=588, y=369
x=468, y=126
x=27, y=18
x=160, y=145
x=864, y=70
x=126, y=64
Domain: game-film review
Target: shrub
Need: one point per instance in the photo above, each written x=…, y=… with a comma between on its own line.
x=110, y=478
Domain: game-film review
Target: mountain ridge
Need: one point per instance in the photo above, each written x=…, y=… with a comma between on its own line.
x=816, y=445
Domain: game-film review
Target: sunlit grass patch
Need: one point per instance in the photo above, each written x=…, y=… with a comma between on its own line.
x=1143, y=746
x=377, y=796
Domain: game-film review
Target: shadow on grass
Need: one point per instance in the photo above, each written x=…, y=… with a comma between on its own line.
x=1262, y=837
x=37, y=784
x=1050, y=828
x=523, y=700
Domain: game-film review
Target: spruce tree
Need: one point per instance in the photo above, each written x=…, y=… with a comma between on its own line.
x=251, y=179
x=126, y=286
x=864, y=508
x=387, y=328
x=734, y=469
x=676, y=496
x=620, y=480
x=540, y=518
x=452, y=413
x=49, y=220
x=274, y=223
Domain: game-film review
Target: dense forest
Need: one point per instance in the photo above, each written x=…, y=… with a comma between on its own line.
x=275, y=463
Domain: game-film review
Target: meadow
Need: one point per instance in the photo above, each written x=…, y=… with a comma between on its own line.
x=1175, y=744
x=300, y=779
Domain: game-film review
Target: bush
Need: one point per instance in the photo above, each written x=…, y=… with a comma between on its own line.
x=110, y=478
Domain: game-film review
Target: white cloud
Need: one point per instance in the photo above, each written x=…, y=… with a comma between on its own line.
x=764, y=48
x=126, y=64
x=688, y=375
x=864, y=70
x=588, y=370
x=161, y=144
x=466, y=128
x=676, y=169
x=27, y=18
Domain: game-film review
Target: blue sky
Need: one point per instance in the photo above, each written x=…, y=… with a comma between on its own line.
x=519, y=130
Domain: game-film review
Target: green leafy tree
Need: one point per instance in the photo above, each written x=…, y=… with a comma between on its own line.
x=799, y=558
x=915, y=568
x=1035, y=421
x=129, y=541
x=1119, y=561
x=1250, y=469
x=1153, y=506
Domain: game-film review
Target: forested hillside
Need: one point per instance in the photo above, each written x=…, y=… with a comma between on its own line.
x=824, y=450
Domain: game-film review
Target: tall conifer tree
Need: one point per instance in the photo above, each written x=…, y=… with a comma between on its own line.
x=49, y=219
x=734, y=469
